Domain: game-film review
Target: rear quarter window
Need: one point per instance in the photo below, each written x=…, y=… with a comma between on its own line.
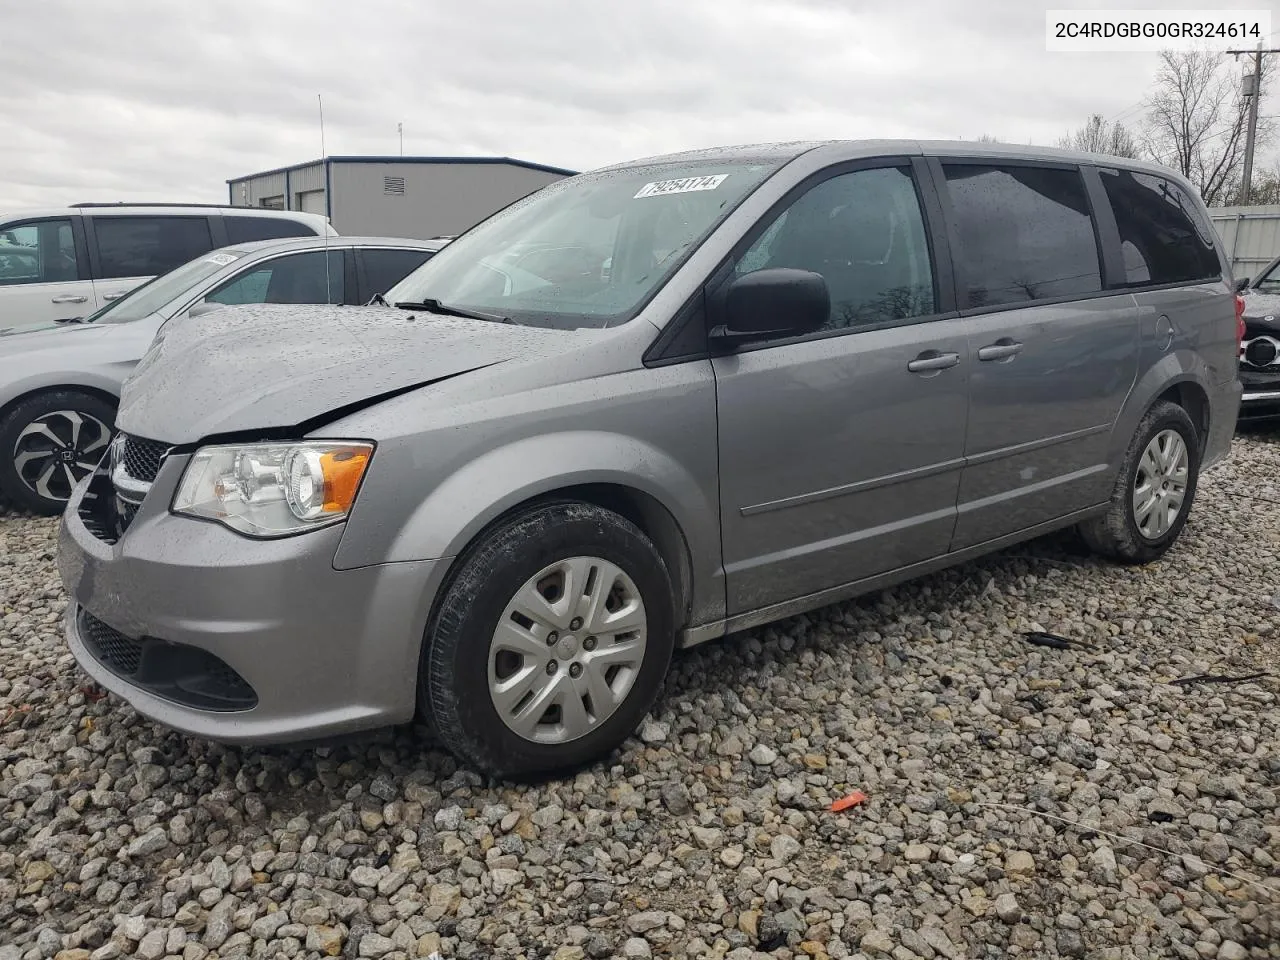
x=249, y=229
x=1163, y=236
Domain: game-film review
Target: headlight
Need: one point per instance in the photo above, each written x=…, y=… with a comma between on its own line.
x=273, y=489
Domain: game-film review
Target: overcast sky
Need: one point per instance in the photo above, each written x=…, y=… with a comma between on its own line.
x=167, y=99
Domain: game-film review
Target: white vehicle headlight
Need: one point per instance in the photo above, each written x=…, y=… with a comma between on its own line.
x=273, y=489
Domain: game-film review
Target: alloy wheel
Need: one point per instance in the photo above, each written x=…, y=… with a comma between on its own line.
x=56, y=450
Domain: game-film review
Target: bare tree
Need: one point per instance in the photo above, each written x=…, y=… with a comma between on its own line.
x=988, y=138
x=1099, y=136
x=1197, y=118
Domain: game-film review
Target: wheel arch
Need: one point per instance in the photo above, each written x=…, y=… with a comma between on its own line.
x=94, y=391
x=1181, y=378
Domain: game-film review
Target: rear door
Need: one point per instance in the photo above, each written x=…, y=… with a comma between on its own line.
x=44, y=273
x=1054, y=353
x=840, y=451
x=125, y=251
x=380, y=269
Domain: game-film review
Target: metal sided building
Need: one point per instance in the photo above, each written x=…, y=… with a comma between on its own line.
x=420, y=197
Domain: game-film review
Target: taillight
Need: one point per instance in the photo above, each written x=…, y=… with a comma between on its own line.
x=1239, y=320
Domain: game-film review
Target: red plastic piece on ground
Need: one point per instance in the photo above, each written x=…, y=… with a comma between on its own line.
x=852, y=800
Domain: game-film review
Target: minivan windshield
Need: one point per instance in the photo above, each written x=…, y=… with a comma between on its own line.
x=588, y=251
x=151, y=296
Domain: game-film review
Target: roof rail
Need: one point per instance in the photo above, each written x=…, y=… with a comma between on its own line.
x=206, y=206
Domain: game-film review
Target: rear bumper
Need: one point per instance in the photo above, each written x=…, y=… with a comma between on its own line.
x=324, y=651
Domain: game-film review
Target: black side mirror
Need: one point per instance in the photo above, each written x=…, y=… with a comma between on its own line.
x=772, y=304
x=1242, y=284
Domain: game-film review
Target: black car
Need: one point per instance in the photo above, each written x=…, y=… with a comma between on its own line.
x=1260, y=348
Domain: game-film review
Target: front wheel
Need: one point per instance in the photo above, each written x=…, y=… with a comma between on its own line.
x=48, y=443
x=550, y=643
x=1153, y=492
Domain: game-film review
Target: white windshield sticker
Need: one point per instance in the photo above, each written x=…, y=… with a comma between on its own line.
x=221, y=259
x=688, y=185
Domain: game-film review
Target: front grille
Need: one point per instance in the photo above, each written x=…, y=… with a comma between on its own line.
x=142, y=458
x=186, y=675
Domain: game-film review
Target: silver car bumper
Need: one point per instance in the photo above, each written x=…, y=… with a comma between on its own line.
x=239, y=640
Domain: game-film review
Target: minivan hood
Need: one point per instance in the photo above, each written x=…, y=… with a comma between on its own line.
x=272, y=368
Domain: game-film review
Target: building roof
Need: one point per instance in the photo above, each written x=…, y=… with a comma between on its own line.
x=501, y=161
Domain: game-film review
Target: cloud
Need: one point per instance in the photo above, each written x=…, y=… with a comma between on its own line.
x=156, y=100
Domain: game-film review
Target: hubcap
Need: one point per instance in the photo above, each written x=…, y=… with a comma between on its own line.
x=1160, y=488
x=57, y=450
x=567, y=650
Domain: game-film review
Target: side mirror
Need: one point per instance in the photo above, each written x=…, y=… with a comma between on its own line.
x=772, y=304
x=1242, y=284
x=203, y=307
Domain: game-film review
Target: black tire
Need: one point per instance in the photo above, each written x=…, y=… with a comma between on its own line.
x=453, y=680
x=19, y=491
x=1115, y=534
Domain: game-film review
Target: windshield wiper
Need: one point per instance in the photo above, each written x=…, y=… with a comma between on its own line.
x=435, y=306
x=378, y=299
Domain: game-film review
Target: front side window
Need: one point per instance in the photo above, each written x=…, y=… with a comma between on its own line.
x=1162, y=236
x=148, y=246
x=1023, y=233
x=587, y=251
x=40, y=251
x=864, y=233
x=296, y=278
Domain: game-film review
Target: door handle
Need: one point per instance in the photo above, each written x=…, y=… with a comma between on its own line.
x=113, y=296
x=68, y=298
x=1000, y=350
x=932, y=360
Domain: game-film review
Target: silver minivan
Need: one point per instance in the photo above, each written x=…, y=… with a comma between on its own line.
x=642, y=408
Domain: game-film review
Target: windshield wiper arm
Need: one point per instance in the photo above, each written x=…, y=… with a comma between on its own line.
x=435, y=306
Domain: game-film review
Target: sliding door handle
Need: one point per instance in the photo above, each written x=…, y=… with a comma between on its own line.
x=1000, y=350
x=932, y=360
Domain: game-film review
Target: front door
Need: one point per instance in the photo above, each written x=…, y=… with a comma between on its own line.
x=43, y=278
x=1054, y=357
x=840, y=452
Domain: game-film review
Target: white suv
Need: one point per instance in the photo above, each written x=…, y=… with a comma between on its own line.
x=58, y=265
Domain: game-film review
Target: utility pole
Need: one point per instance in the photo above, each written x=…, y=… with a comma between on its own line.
x=1252, y=90
x=400, y=130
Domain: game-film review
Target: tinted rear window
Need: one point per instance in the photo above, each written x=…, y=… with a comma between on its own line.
x=1024, y=233
x=248, y=229
x=1162, y=235
x=147, y=246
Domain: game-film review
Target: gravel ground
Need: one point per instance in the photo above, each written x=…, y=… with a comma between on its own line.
x=1022, y=801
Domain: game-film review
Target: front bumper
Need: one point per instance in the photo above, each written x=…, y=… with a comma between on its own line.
x=1258, y=403
x=322, y=651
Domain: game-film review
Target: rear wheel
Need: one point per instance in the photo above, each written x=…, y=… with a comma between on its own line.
x=1153, y=492
x=48, y=443
x=550, y=644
